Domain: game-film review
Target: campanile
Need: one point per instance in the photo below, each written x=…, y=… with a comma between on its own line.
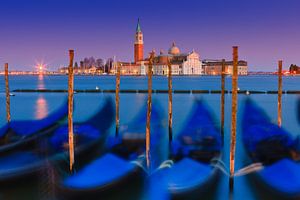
x=138, y=44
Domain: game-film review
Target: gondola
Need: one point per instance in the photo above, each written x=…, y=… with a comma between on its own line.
x=54, y=148
x=275, y=149
x=21, y=133
x=123, y=166
x=190, y=170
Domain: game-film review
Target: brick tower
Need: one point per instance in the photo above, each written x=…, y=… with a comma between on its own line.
x=138, y=44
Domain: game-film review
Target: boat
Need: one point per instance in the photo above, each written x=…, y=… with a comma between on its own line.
x=23, y=132
x=123, y=167
x=20, y=164
x=275, y=149
x=189, y=172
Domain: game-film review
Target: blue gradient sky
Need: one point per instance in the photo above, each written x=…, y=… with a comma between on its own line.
x=35, y=30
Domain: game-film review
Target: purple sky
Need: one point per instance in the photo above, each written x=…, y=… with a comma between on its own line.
x=36, y=30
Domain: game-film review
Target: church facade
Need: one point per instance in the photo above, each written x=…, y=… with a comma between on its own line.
x=181, y=63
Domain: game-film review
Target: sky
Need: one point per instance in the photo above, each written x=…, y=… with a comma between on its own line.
x=32, y=31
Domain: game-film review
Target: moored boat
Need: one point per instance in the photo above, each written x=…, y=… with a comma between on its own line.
x=273, y=147
x=54, y=148
x=189, y=171
x=123, y=167
x=22, y=133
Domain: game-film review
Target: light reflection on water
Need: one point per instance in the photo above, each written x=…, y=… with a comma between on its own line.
x=41, y=83
x=41, y=107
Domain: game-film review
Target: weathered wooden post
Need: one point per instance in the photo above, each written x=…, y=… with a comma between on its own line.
x=70, y=109
x=118, y=73
x=279, y=90
x=149, y=107
x=7, y=93
x=233, y=115
x=222, y=97
x=170, y=99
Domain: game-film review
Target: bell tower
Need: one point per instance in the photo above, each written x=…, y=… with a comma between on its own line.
x=138, y=44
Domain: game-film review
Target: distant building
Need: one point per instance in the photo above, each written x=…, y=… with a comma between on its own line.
x=138, y=44
x=133, y=68
x=81, y=71
x=294, y=69
x=181, y=63
x=214, y=67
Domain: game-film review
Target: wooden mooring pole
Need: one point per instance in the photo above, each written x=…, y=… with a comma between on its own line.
x=222, y=97
x=279, y=90
x=7, y=93
x=233, y=115
x=170, y=100
x=149, y=107
x=118, y=73
x=70, y=109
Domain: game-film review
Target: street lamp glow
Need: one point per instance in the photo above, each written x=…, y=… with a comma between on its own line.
x=40, y=67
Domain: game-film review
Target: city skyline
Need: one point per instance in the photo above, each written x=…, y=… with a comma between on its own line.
x=45, y=30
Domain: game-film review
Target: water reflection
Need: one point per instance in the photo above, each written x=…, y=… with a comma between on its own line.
x=41, y=84
x=41, y=107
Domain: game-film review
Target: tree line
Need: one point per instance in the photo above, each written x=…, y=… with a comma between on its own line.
x=103, y=65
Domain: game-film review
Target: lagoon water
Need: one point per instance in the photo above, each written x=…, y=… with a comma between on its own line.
x=38, y=105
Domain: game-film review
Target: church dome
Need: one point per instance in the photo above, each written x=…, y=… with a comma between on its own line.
x=174, y=50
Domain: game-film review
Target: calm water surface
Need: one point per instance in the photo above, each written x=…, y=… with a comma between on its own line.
x=38, y=105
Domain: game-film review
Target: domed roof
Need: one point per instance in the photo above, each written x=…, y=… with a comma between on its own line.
x=174, y=50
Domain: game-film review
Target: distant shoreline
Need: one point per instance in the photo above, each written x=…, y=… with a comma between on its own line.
x=204, y=75
x=60, y=74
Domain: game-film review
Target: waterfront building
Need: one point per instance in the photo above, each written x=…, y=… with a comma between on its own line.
x=127, y=68
x=81, y=71
x=214, y=67
x=294, y=69
x=181, y=63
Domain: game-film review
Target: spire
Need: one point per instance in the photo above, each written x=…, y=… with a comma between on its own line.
x=138, y=27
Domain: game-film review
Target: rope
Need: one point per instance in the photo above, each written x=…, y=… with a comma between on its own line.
x=139, y=162
x=141, y=158
x=163, y=165
x=217, y=163
x=255, y=167
x=249, y=169
x=166, y=164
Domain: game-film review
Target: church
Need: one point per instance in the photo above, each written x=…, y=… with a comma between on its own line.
x=181, y=63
